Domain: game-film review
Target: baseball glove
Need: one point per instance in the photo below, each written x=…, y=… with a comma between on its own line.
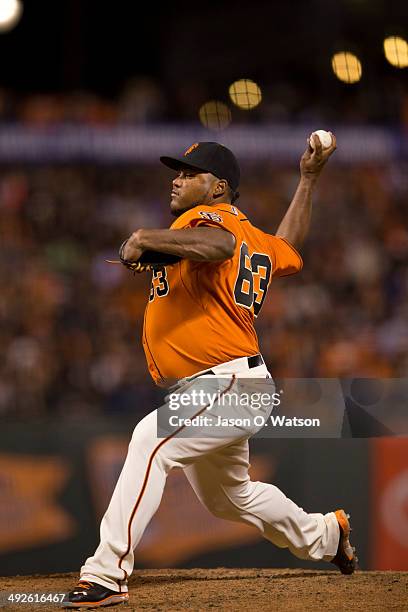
x=148, y=261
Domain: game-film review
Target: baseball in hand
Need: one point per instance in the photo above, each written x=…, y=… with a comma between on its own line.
x=324, y=137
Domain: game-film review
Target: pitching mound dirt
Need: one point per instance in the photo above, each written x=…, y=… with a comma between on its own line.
x=230, y=589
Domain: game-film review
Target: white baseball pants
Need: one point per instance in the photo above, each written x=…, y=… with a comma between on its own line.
x=217, y=469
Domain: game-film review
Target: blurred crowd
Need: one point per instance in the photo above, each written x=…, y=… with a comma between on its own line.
x=70, y=323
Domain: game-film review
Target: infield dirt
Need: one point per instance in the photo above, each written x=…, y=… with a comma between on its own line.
x=230, y=589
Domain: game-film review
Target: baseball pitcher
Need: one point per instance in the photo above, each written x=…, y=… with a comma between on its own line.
x=211, y=272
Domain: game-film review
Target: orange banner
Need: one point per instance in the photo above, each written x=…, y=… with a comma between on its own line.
x=389, y=533
x=30, y=512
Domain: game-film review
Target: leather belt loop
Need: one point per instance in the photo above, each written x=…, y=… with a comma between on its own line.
x=255, y=361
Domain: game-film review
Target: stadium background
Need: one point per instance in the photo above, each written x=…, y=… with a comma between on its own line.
x=90, y=96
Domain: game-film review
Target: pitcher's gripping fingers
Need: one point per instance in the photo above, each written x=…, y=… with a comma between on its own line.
x=313, y=160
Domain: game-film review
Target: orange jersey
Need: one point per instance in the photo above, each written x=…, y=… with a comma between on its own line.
x=201, y=314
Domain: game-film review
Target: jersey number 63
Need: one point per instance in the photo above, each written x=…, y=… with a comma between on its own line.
x=253, y=279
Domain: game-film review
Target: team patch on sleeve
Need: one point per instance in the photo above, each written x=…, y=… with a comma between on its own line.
x=210, y=216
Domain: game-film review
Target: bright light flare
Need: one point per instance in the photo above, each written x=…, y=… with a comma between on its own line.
x=396, y=51
x=215, y=115
x=245, y=94
x=10, y=13
x=346, y=67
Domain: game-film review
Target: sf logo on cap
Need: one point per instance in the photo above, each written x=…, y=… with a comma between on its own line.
x=193, y=146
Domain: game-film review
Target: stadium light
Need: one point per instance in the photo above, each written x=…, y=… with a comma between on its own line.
x=10, y=13
x=396, y=51
x=215, y=115
x=347, y=67
x=245, y=94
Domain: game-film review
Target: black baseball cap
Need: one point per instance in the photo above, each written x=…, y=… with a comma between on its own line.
x=208, y=157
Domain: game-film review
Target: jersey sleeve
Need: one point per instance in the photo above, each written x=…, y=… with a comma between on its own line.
x=208, y=216
x=285, y=258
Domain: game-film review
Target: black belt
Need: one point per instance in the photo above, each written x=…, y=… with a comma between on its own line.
x=253, y=362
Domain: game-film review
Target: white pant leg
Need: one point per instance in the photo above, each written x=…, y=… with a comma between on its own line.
x=139, y=490
x=136, y=498
x=222, y=483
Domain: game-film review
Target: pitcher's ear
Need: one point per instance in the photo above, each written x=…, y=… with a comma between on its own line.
x=220, y=188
